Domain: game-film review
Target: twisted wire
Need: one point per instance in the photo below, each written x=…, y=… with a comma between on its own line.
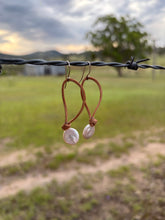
x=134, y=65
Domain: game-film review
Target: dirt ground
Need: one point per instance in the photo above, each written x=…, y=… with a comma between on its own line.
x=137, y=156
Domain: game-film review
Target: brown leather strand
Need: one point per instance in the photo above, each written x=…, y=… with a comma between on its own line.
x=67, y=123
x=92, y=120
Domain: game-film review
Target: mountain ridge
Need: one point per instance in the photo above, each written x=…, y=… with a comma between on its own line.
x=51, y=54
x=35, y=55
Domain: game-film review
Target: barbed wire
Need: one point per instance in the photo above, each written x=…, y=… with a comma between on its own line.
x=131, y=64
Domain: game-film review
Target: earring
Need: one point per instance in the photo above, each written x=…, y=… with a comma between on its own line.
x=71, y=135
x=89, y=129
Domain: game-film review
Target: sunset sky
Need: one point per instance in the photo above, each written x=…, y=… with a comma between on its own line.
x=39, y=25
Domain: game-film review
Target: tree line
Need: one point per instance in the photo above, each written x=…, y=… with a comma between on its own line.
x=120, y=38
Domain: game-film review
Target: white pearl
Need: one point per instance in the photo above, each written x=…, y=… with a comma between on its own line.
x=88, y=131
x=71, y=136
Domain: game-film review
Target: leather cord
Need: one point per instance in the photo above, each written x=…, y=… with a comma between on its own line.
x=92, y=120
x=67, y=123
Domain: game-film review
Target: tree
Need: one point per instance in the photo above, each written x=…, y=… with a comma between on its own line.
x=119, y=39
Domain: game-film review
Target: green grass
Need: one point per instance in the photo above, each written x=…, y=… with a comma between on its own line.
x=31, y=109
x=18, y=169
x=120, y=198
x=120, y=172
x=103, y=152
x=60, y=159
x=89, y=205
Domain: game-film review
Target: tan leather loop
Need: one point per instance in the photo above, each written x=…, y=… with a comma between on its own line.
x=67, y=123
x=92, y=120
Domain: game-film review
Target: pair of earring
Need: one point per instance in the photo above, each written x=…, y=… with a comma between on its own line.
x=71, y=135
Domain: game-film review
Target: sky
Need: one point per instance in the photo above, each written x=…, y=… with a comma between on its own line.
x=40, y=25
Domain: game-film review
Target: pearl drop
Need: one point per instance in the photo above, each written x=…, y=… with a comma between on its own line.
x=88, y=131
x=71, y=136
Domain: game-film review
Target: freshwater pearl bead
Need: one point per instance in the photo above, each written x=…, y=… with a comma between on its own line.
x=71, y=136
x=88, y=131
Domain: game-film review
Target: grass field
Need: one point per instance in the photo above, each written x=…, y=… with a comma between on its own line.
x=31, y=109
x=31, y=116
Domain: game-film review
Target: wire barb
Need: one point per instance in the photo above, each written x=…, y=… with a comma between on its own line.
x=131, y=64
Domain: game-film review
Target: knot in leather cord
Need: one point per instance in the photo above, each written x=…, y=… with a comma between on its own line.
x=66, y=126
x=92, y=121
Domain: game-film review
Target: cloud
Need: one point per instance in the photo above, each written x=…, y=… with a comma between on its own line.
x=2, y=41
x=32, y=21
x=46, y=24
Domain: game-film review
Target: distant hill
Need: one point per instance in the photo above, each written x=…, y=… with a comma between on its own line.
x=7, y=56
x=37, y=55
x=54, y=54
x=43, y=55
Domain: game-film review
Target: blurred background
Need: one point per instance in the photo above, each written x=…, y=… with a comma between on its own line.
x=118, y=173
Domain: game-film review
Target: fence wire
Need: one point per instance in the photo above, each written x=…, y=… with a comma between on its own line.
x=130, y=64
